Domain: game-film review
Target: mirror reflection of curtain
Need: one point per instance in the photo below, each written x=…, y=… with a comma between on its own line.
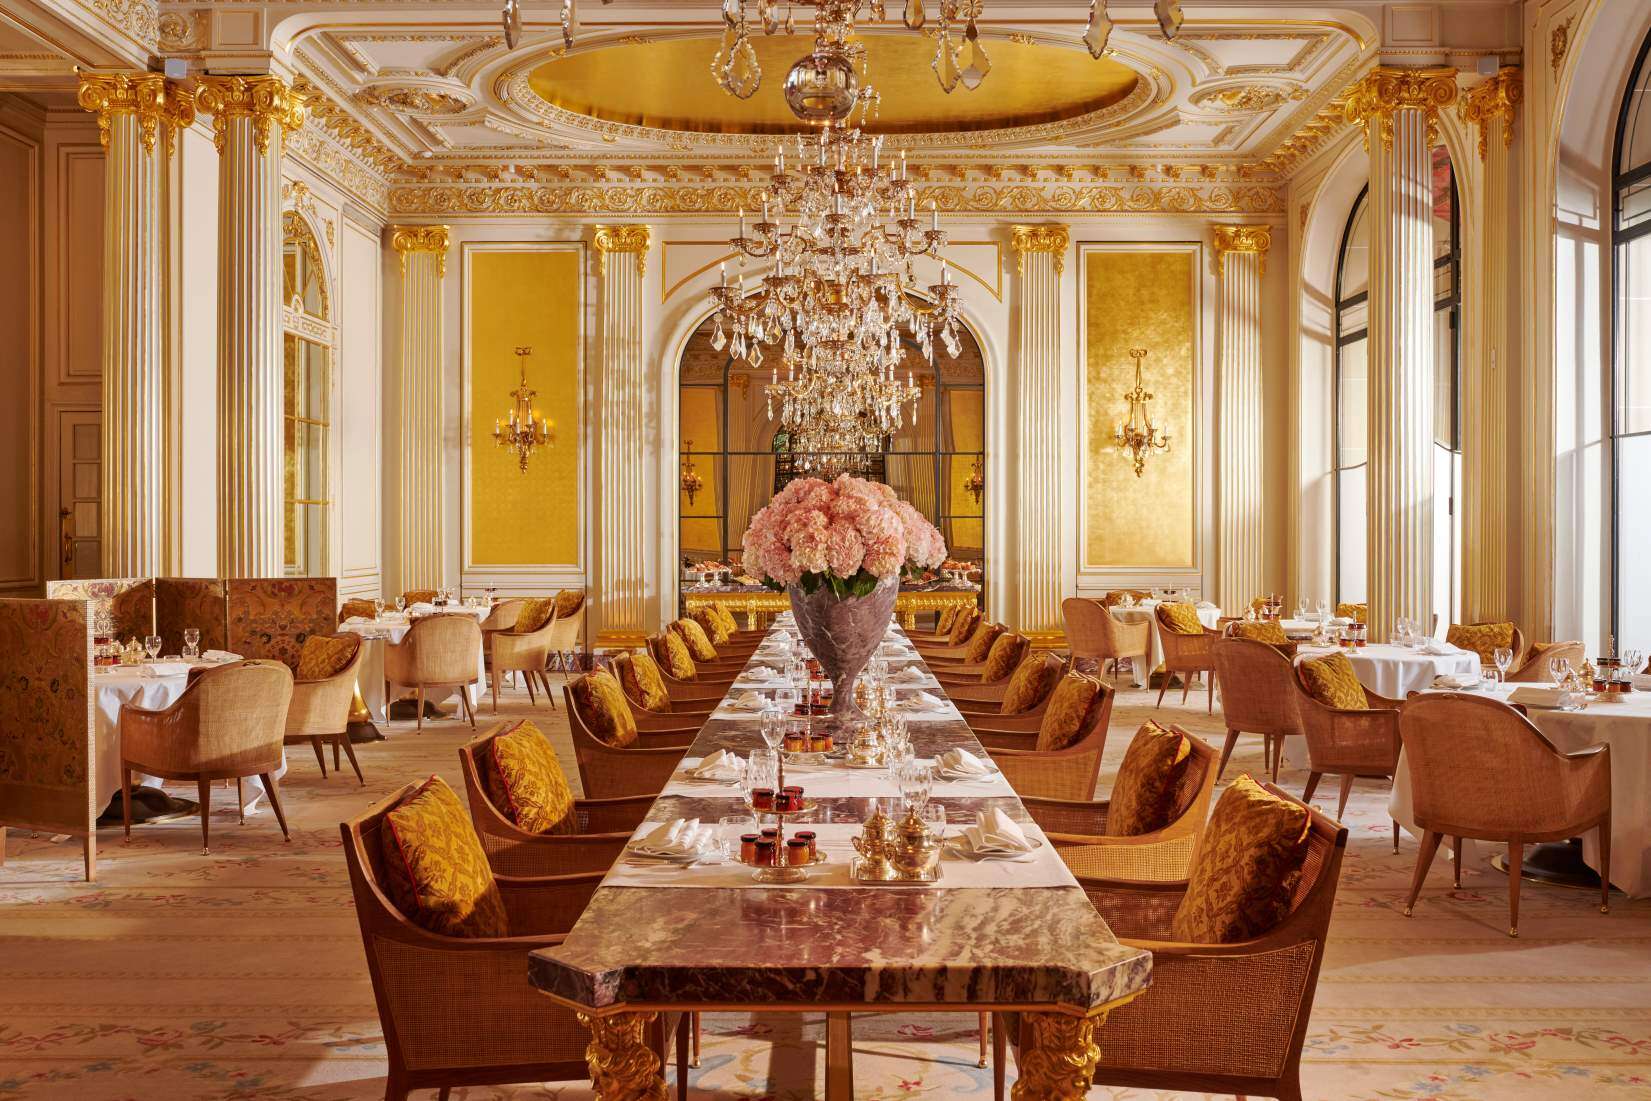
x=750, y=476
x=912, y=475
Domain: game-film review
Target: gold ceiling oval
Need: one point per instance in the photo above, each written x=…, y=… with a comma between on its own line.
x=666, y=84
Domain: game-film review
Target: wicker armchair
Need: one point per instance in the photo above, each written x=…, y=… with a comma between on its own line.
x=1457, y=634
x=1481, y=770
x=418, y=596
x=1014, y=647
x=320, y=711
x=501, y=617
x=1185, y=655
x=1348, y=742
x=459, y=1011
x=719, y=677
x=1258, y=696
x=1077, y=829
x=985, y=701
x=1534, y=668
x=687, y=703
x=439, y=652
x=1218, y=1018
x=1095, y=634
x=605, y=825
x=609, y=772
x=1068, y=773
x=527, y=653
x=228, y=723
x=567, y=642
x=945, y=652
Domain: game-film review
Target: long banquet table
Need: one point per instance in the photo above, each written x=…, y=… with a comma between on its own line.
x=982, y=939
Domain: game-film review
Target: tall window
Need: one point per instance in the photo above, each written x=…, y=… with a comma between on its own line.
x=1629, y=400
x=305, y=405
x=1352, y=394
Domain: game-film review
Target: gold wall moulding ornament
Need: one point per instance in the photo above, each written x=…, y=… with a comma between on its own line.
x=1244, y=99
x=522, y=430
x=1053, y=239
x=267, y=100
x=1497, y=98
x=1558, y=42
x=1385, y=91
x=1256, y=239
x=436, y=239
x=630, y=238
x=161, y=106
x=1137, y=435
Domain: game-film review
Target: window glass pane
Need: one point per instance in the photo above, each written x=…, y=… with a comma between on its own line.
x=1446, y=378
x=1444, y=203
x=1355, y=260
x=701, y=422
x=1444, y=536
x=1633, y=536
x=1634, y=204
x=1355, y=319
x=965, y=538
x=1352, y=403
x=1633, y=385
x=750, y=485
x=1350, y=533
x=1636, y=130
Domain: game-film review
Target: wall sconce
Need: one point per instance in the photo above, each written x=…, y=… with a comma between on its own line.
x=692, y=483
x=1138, y=435
x=975, y=484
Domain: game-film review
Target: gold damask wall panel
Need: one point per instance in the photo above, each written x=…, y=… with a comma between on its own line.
x=1140, y=298
x=529, y=296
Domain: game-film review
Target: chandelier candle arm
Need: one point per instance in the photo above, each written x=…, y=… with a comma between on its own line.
x=522, y=430
x=1137, y=435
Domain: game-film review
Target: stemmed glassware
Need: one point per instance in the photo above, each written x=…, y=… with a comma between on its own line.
x=1559, y=669
x=1503, y=656
x=762, y=770
x=152, y=646
x=401, y=604
x=378, y=607
x=191, y=642
x=773, y=727
x=915, y=780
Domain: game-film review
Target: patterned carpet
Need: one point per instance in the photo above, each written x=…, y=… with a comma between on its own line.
x=240, y=974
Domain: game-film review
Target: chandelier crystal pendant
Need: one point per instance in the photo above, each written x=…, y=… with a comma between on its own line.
x=1137, y=435
x=522, y=430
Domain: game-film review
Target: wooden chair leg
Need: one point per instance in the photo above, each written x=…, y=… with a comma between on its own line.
x=985, y=1038
x=1604, y=863
x=1227, y=751
x=1456, y=862
x=495, y=679
x=1209, y=704
x=469, y=708
x=320, y=757
x=88, y=853
x=527, y=677
x=349, y=751
x=682, y=1056
x=1275, y=750
x=421, y=709
x=240, y=802
x=1186, y=687
x=1516, y=861
x=1424, y=857
x=1313, y=779
x=1346, y=789
x=203, y=790
x=336, y=740
x=274, y=793
x=126, y=802
x=544, y=679
x=1395, y=837
x=1162, y=688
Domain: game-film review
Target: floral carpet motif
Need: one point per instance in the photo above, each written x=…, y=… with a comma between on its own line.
x=240, y=975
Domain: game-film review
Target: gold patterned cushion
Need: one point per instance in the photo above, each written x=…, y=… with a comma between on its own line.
x=434, y=868
x=729, y=624
x=1332, y=681
x=1180, y=617
x=699, y=645
x=1248, y=866
x=1149, y=778
x=569, y=601
x=533, y=615
x=711, y=625
x=1357, y=612
x=1261, y=630
x=639, y=675
x=602, y=707
x=530, y=784
x=980, y=645
x=948, y=616
x=1071, y=711
x=1031, y=684
x=325, y=656
x=352, y=608
x=963, y=626
x=1483, y=639
x=1004, y=657
x=672, y=654
x=1115, y=597
x=419, y=596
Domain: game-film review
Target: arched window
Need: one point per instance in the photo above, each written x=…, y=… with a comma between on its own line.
x=306, y=399
x=1352, y=394
x=1629, y=400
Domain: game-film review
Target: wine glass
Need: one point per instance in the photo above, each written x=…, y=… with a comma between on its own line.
x=191, y=642
x=1558, y=669
x=773, y=727
x=1503, y=656
x=762, y=770
x=378, y=607
x=916, y=781
x=152, y=646
x=401, y=604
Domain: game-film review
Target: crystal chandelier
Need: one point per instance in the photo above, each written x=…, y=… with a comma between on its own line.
x=522, y=429
x=1137, y=434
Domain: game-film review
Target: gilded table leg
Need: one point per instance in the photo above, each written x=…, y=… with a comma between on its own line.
x=1057, y=1057
x=623, y=1066
x=908, y=620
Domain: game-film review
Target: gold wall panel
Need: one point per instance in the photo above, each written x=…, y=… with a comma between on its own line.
x=1135, y=298
x=532, y=298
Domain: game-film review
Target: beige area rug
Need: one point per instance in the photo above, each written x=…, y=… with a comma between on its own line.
x=240, y=975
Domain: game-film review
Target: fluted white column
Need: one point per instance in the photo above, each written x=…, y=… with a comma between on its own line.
x=423, y=457
x=1399, y=109
x=621, y=590
x=138, y=114
x=1485, y=456
x=1240, y=260
x=251, y=116
x=1038, y=579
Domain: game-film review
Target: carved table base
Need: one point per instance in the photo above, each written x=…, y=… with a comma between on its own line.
x=623, y=1066
x=1057, y=1057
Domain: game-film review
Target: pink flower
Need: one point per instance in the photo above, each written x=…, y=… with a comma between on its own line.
x=838, y=528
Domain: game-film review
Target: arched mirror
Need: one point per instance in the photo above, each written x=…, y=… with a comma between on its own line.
x=307, y=358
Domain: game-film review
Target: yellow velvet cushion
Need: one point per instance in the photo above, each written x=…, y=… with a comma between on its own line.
x=699, y=644
x=639, y=676
x=726, y=618
x=434, y=868
x=1356, y=612
x=419, y=596
x=1332, y=681
x=980, y=644
x=569, y=601
x=1483, y=639
x=1031, y=684
x=528, y=784
x=1148, y=781
x=672, y=654
x=711, y=625
x=1071, y=710
x=963, y=626
x=1261, y=630
x=1004, y=657
x=602, y=706
x=1249, y=864
x=948, y=616
x=352, y=608
x=1180, y=617
x=534, y=614
x=325, y=656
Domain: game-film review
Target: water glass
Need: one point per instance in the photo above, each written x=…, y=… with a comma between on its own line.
x=786, y=700
x=191, y=642
x=401, y=603
x=773, y=726
x=762, y=770
x=1503, y=656
x=152, y=646
x=934, y=816
x=378, y=607
x=730, y=829
x=1559, y=669
x=915, y=780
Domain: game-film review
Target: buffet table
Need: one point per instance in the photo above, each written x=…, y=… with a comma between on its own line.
x=1004, y=936
x=759, y=605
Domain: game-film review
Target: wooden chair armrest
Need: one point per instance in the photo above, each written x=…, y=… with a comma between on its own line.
x=664, y=739
x=1010, y=742
x=600, y=815
x=1006, y=724
x=1147, y=858
x=536, y=856
x=1078, y=818
x=550, y=904
x=1135, y=909
x=652, y=722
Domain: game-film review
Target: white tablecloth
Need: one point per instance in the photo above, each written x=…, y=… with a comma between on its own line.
x=1626, y=728
x=1209, y=615
x=375, y=633
x=126, y=684
x=1395, y=672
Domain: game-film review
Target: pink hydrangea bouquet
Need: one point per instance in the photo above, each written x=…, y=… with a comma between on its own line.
x=846, y=535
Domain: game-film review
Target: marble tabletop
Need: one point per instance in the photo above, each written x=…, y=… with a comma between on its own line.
x=857, y=948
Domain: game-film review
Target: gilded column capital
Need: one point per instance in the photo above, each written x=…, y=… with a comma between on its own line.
x=1384, y=91
x=1496, y=98
x=1050, y=237
x=626, y=238
x=1256, y=239
x=267, y=100
x=436, y=239
x=160, y=105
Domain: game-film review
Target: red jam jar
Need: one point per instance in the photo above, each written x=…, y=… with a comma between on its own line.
x=796, y=741
x=748, y=848
x=807, y=836
x=796, y=852
x=765, y=853
x=820, y=743
x=770, y=833
x=762, y=798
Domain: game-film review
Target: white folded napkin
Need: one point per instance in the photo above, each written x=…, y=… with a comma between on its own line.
x=1435, y=648
x=963, y=763
x=358, y=619
x=922, y=701
x=1642, y=682
x=749, y=701
x=720, y=765
x=220, y=656
x=764, y=673
x=165, y=669
x=421, y=609
x=679, y=837
x=1529, y=696
x=1208, y=604
x=1456, y=680
x=911, y=674
x=996, y=832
